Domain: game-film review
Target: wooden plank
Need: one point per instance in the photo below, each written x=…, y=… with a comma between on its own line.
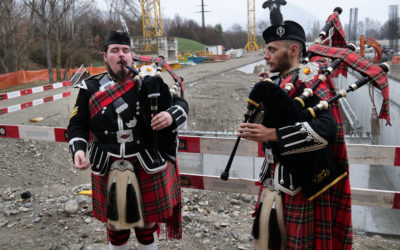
x=371, y=154
x=362, y=197
x=224, y=146
x=373, y=198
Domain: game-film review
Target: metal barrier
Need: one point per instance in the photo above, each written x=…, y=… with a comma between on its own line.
x=222, y=146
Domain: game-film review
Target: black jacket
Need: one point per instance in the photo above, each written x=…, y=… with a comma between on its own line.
x=136, y=118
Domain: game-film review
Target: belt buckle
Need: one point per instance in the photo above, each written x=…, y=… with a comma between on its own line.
x=268, y=155
x=122, y=165
x=124, y=136
x=269, y=183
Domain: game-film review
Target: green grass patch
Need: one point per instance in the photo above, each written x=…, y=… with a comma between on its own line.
x=187, y=45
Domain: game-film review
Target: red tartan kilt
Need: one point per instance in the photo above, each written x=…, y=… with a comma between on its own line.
x=160, y=193
x=324, y=223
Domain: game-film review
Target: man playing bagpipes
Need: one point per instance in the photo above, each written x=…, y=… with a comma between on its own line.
x=129, y=124
x=305, y=197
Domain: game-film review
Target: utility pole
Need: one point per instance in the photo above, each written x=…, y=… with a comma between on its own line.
x=202, y=15
x=203, y=22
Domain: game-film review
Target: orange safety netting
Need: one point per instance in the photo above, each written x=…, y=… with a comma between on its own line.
x=23, y=76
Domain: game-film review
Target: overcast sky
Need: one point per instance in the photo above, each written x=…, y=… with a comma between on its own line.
x=229, y=12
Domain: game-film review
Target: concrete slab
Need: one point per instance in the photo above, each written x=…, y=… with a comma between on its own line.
x=371, y=220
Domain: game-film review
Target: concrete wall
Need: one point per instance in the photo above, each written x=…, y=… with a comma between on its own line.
x=361, y=104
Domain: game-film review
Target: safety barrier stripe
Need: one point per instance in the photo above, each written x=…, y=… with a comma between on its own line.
x=357, y=153
x=359, y=196
x=14, y=94
x=209, y=145
x=36, y=102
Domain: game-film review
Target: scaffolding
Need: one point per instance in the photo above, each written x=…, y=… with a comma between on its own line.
x=251, y=44
x=151, y=21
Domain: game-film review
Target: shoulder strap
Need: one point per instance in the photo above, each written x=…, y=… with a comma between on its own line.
x=101, y=99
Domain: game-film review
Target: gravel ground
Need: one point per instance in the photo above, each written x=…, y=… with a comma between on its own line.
x=55, y=217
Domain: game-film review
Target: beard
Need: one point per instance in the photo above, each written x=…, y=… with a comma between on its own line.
x=119, y=75
x=283, y=64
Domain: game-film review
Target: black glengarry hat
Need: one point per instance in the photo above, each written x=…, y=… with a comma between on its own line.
x=289, y=30
x=117, y=37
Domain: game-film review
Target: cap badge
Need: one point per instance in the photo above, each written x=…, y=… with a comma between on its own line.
x=280, y=31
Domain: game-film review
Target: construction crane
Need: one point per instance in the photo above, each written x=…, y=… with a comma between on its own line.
x=251, y=44
x=151, y=21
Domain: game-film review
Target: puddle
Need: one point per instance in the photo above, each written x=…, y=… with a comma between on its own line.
x=249, y=68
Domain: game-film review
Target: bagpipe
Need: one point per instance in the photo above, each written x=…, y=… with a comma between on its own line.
x=156, y=96
x=161, y=63
x=282, y=105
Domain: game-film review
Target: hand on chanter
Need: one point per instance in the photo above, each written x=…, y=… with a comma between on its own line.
x=161, y=121
x=80, y=160
x=262, y=75
x=256, y=132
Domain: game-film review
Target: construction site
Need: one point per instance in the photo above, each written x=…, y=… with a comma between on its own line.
x=217, y=214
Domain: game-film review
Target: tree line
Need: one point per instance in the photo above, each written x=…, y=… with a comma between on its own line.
x=37, y=34
x=56, y=34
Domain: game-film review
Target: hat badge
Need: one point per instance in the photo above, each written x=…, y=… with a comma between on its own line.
x=280, y=31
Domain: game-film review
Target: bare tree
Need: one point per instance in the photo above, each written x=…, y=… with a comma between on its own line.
x=235, y=37
x=261, y=26
x=16, y=31
x=49, y=13
x=314, y=31
x=372, y=28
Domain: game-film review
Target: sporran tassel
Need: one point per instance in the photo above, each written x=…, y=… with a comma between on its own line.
x=132, y=209
x=274, y=241
x=256, y=224
x=112, y=208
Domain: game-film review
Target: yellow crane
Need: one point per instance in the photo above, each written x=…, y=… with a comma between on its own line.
x=151, y=21
x=251, y=44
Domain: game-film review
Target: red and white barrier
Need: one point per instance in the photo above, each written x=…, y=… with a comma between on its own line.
x=40, y=133
x=359, y=196
x=357, y=153
x=36, y=102
x=14, y=94
x=367, y=154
